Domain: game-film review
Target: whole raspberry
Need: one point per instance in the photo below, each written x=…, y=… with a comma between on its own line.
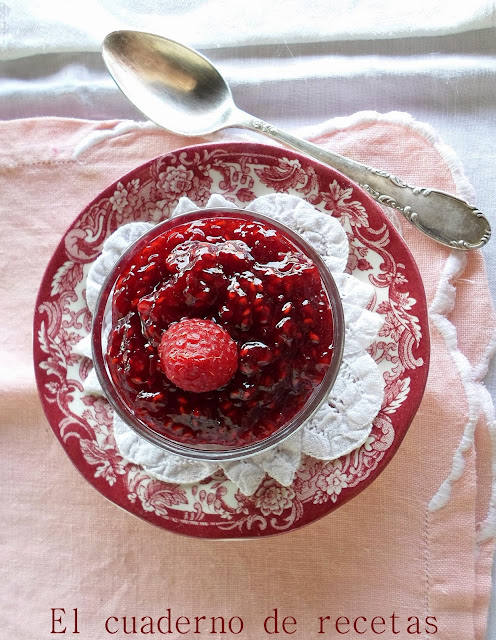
x=198, y=355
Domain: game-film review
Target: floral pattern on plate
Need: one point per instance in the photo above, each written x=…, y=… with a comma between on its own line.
x=83, y=423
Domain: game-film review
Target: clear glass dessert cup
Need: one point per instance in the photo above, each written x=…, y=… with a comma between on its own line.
x=102, y=324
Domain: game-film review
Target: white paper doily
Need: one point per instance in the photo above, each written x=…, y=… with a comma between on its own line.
x=341, y=424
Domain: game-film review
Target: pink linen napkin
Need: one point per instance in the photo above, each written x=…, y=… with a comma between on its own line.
x=414, y=550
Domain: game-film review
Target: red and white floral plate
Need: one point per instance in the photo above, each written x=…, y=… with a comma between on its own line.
x=83, y=423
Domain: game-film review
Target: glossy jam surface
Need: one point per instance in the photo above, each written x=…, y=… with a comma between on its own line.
x=251, y=280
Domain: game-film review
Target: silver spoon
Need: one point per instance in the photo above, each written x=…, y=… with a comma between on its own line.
x=180, y=90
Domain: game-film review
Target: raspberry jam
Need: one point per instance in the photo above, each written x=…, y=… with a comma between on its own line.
x=256, y=284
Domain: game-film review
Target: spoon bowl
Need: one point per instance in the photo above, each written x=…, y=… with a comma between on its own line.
x=174, y=86
x=183, y=92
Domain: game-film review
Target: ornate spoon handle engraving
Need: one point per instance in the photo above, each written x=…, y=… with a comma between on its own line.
x=443, y=217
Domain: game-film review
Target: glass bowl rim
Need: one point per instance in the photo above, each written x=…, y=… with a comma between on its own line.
x=298, y=419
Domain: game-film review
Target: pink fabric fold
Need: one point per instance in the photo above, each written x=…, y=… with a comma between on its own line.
x=417, y=544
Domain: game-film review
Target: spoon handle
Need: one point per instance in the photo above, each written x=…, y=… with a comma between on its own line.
x=443, y=217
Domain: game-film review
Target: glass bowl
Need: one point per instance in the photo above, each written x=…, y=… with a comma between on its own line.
x=104, y=321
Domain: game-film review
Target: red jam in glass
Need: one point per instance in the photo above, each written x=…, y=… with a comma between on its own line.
x=256, y=284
